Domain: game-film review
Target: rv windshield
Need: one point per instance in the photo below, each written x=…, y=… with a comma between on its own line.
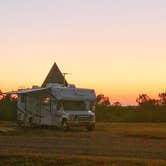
x=74, y=105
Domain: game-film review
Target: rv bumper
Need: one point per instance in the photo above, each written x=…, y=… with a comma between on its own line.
x=77, y=123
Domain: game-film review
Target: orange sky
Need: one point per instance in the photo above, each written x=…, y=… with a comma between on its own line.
x=116, y=48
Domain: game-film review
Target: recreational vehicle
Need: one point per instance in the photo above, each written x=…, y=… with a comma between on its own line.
x=56, y=105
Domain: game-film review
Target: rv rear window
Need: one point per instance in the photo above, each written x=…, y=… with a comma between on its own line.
x=45, y=100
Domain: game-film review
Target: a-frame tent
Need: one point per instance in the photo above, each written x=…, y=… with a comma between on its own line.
x=55, y=76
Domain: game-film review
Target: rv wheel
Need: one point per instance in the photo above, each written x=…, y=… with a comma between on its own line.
x=64, y=125
x=19, y=123
x=90, y=128
x=30, y=122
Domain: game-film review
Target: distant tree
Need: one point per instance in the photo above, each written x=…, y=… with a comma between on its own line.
x=99, y=98
x=8, y=107
x=162, y=98
x=143, y=98
x=102, y=100
x=146, y=102
x=117, y=104
x=1, y=95
x=106, y=101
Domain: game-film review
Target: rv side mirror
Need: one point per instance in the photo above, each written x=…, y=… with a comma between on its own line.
x=60, y=109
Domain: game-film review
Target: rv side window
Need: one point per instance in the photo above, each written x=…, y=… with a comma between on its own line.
x=46, y=104
x=45, y=100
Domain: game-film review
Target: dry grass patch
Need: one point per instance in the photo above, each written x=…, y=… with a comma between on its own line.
x=34, y=160
x=112, y=144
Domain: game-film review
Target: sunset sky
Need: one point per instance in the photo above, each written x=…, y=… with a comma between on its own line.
x=117, y=47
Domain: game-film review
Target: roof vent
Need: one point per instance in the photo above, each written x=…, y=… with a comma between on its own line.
x=35, y=87
x=71, y=86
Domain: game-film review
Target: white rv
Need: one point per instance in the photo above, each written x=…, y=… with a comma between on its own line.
x=56, y=105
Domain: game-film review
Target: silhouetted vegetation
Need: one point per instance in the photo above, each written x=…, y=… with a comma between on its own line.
x=144, y=101
x=8, y=107
x=147, y=110
x=147, y=103
x=102, y=100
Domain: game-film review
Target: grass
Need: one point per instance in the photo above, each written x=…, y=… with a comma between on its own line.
x=124, y=114
x=112, y=144
x=33, y=160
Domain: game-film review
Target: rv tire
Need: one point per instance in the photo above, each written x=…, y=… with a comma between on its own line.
x=90, y=128
x=64, y=125
x=20, y=123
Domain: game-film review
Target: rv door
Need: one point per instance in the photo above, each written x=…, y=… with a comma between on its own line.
x=59, y=113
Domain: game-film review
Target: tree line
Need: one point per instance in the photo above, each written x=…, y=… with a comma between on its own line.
x=144, y=101
x=8, y=107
